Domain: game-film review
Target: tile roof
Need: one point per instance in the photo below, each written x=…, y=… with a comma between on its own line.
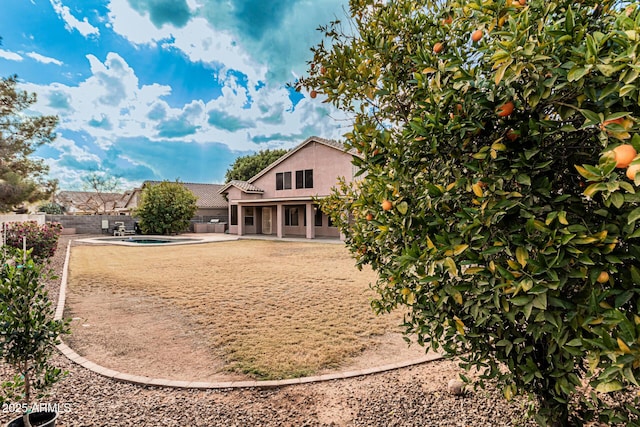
x=242, y=185
x=208, y=194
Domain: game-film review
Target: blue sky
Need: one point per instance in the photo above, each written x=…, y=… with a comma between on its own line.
x=166, y=89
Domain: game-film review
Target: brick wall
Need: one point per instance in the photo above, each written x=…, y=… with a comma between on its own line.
x=91, y=224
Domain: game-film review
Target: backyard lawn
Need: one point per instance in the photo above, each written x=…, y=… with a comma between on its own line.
x=264, y=309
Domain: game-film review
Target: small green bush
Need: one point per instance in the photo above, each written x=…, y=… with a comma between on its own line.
x=51, y=208
x=28, y=330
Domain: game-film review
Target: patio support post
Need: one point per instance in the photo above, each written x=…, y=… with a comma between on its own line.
x=240, y=220
x=311, y=229
x=279, y=221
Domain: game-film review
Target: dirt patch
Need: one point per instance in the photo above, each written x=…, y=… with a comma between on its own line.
x=228, y=311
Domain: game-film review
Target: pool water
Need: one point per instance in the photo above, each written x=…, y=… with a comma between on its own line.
x=148, y=241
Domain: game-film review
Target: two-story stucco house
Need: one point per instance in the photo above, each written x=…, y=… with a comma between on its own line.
x=279, y=200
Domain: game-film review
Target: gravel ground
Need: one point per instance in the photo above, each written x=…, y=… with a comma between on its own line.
x=415, y=396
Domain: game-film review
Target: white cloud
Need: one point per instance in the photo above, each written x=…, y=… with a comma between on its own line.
x=111, y=104
x=71, y=22
x=198, y=40
x=43, y=59
x=11, y=56
x=70, y=147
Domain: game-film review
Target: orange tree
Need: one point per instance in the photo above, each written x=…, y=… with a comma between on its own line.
x=510, y=234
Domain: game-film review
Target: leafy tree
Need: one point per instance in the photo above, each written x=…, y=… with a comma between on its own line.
x=489, y=201
x=166, y=208
x=246, y=167
x=22, y=179
x=51, y=208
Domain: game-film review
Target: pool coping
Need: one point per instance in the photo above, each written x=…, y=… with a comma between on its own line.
x=192, y=239
x=70, y=354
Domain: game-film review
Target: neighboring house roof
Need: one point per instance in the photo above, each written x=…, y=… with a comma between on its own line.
x=208, y=194
x=242, y=185
x=91, y=201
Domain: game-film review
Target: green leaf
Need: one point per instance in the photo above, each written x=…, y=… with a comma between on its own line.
x=591, y=190
x=634, y=215
x=500, y=73
x=540, y=301
x=586, y=173
x=576, y=342
x=617, y=199
x=521, y=300
x=592, y=118
x=608, y=387
x=576, y=73
x=626, y=90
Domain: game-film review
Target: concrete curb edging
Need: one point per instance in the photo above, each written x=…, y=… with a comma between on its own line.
x=70, y=354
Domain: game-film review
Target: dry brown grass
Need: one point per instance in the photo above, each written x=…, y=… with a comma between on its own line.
x=274, y=309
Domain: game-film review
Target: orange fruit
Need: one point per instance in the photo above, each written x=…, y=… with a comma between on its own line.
x=447, y=21
x=512, y=135
x=522, y=2
x=603, y=277
x=438, y=47
x=323, y=70
x=313, y=94
x=386, y=205
x=624, y=154
x=476, y=36
x=505, y=110
x=632, y=170
x=369, y=217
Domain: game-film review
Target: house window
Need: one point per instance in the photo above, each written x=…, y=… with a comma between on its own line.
x=234, y=214
x=248, y=216
x=283, y=180
x=318, y=220
x=304, y=178
x=291, y=216
x=330, y=222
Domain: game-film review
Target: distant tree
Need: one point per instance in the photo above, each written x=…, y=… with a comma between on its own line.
x=166, y=208
x=51, y=208
x=247, y=166
x=105, y=188
x=22, y=179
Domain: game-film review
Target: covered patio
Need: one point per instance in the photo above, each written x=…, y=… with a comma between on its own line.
x=293, y=217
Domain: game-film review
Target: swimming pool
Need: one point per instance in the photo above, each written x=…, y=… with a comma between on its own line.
x=145, y=240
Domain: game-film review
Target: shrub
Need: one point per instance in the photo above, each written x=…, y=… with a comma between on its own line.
x=51, y=208
x=42, y=240
x=166, y=208
x=28, y=331
x=499, y=226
